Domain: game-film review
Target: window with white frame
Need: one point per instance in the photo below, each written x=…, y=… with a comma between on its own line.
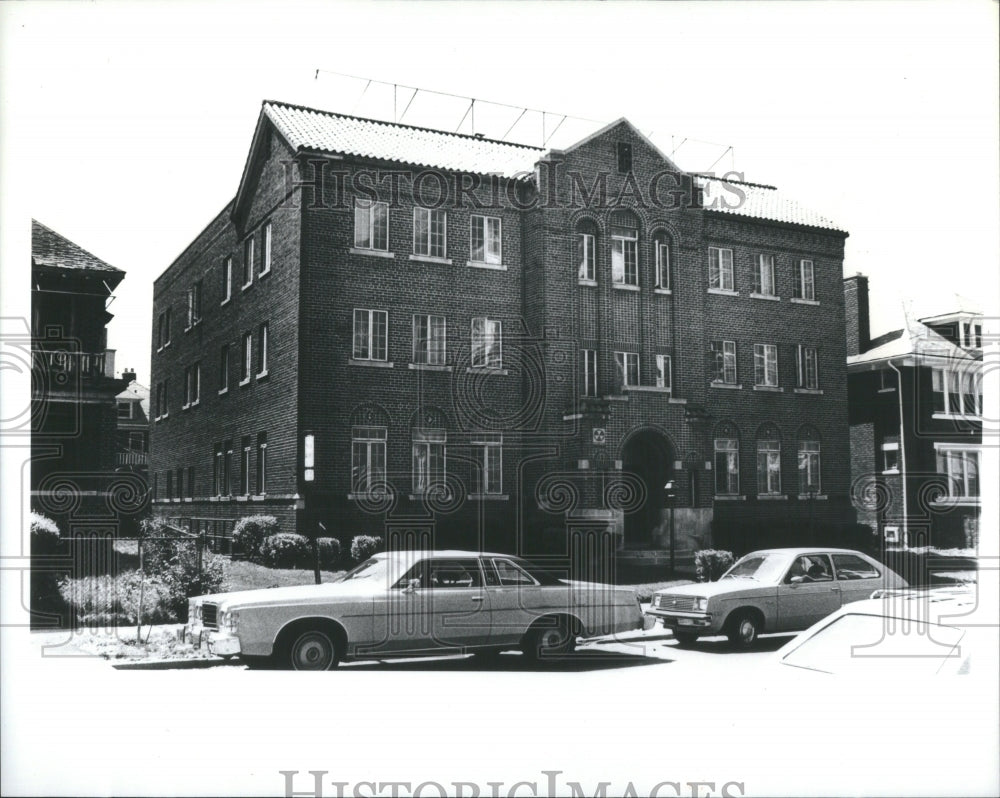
x=890, y=457
x=624, y=249
x=628, y=368
x=217, y=455
x=247, y=362
x=245, y=466
x=720, y=268
x=957, y=392
x=429, y=340
x=727, y=466
x=224, y=369
x=805, y=284
x=961, y=466
x=227, y=279
x=487, y=343
x=262, y=343
x=723, y=362
x=806, y=367
x=769, y=461
x=586, y=251
x=428, y=459
x=124, y=410
x=809, y=474
x=227, y=469
x=194, y=304
x=661, y=246
x=486, y=241
x=261, y=463
x=765, y=365
x=664, y=379
x=763, y=276
x=489, y=451
x=430, y=232
x=588, y=367
x=265, y=260
x=192, y=385
x=368, y=459
x=371, y=335
x=371, y=225
x=248, y=262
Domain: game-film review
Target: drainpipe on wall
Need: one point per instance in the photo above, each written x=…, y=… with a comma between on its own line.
x=902, y=448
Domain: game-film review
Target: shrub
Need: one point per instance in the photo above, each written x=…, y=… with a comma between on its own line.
x=159, y=543
x=110, y=600
x=250, y=533
x=711, y=564
x=364, y=546
x=45, y=596
x=329, y=552
x=286, y=550
x=44, y=535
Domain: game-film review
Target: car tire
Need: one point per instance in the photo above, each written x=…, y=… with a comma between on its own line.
x=685, y=639
x=546, y=640
x=312, y=650
x=743, y=630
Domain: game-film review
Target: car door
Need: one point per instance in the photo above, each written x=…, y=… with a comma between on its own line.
x=515, y=599
x=807, y=592
x=857, y=577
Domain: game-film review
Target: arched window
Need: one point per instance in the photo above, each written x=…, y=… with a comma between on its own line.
x=624, y=248
x=661, y=258
x=429, y=438
x=768, y=460
x=369, y=434
x=586, y=251
x=727, y=460
x=809, y=467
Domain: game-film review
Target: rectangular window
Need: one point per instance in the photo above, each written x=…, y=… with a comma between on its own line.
x=961, y=466
x=156, y=487
x=490, y=458
x=588, y=363
x=430, y=232
x=624, y=256
x=248, y=262
x=623, y=150
x=727, y=466
x=586, y=256
x=806, y=367
x=763, y=276
x=428, y=459
x=227, y=469
x=720, y=268
x=768, y=467
x=724, y=362
x=487, y=343
x=217, y=470
x=245, y=467
x=194, y=304
x=190, y=482
x=262, y=340
x=486, y=244
x=890, y=458
x=192, y=385
x=957, y=392
x=429, y=337
x=170, y=484
x=371, y=225
x=261, y=463
x=371, y=335
x=159, y=332
x=224, y=369
x=166, y=339
x=809, y=467
x=765, y=365
x=180, y=482
x=227, y=279
x=663, y=376
x=246, y=365
x=628, y=368
x=164, y=405
x=805, y=287
x=663, y=265
x=265, y=261
x=124, y=410
x=367, y=459
x=137, y=442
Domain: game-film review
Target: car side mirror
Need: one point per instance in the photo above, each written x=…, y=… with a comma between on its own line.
x=411, y=586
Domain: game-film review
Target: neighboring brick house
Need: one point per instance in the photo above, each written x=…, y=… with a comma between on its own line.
x=916, y=407
x=73, y=389
x=133, y=426
x=541, y=350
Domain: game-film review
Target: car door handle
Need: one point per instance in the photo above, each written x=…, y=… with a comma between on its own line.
x=477, y=598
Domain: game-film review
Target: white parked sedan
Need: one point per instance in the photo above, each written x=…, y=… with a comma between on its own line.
x=412, y=604
x=777, y=590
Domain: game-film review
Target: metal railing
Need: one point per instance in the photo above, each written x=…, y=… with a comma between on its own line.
x=86, y=365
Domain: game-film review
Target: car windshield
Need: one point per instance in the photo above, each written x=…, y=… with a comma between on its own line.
x=759, y=567
x=370, y=569
x=857, y=643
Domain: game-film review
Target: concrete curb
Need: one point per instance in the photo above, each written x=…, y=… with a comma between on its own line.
x=173, y=664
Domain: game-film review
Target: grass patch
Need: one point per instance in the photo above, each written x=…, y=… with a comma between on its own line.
x=243, y=575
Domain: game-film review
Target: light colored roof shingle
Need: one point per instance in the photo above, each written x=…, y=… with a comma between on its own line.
x=760, y=202
x=48, y=248
x=324, y=131
x=914, y=343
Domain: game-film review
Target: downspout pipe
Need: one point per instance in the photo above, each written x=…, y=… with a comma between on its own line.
x=902, y=448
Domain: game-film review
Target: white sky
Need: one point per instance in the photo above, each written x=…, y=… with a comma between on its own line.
x=126, y=126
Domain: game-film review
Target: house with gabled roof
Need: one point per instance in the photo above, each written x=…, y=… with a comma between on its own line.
x=427, y=335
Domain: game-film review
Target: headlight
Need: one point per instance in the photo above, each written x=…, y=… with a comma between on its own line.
x=700, y=604
x=228, y=620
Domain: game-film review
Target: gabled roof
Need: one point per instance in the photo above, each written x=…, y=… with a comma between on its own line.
x=760, y=202
x=48, y=248
x=136, y=392
x=913, y=344
x=638, y=133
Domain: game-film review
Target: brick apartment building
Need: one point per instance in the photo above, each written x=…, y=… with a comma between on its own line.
x=916, y=406
x=407, y=332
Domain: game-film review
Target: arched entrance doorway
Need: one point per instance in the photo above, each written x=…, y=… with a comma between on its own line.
x=648, y=454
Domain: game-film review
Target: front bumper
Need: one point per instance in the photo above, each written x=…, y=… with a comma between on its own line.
x=215, y=641
x=685, y=621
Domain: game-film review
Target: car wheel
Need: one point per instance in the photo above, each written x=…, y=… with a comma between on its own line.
x=547, y=640
x=312, y=650
x=744, y=629
x=685, y=639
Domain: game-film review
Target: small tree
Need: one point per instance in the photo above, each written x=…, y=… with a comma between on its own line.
x=711, y=564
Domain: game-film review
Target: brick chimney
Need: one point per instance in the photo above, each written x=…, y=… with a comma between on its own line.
x=856, y=313
x=128, y=375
